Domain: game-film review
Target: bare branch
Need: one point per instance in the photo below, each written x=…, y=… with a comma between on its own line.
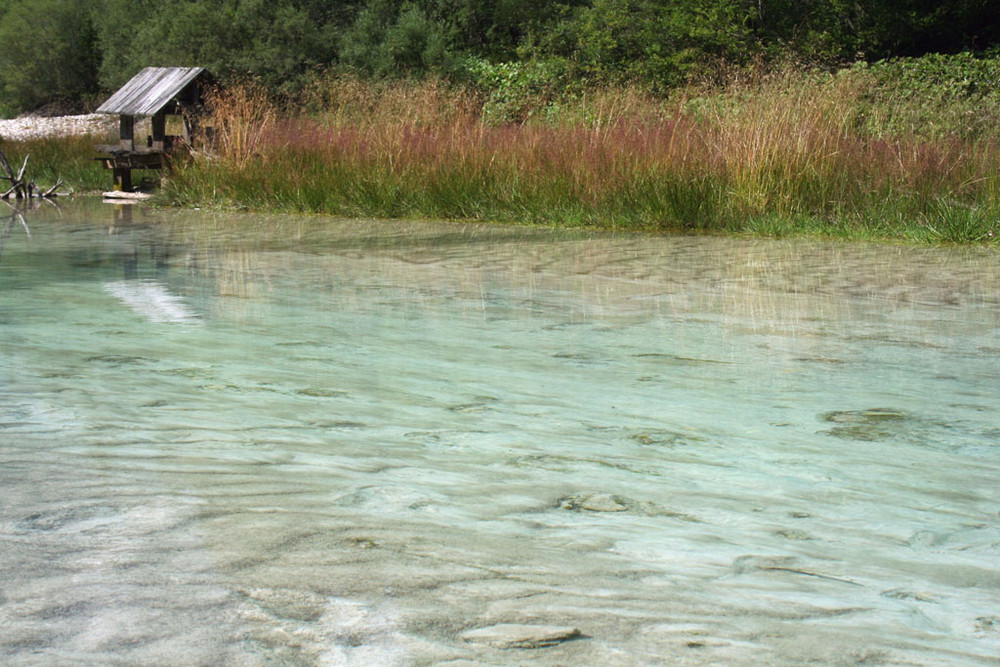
x=52, y=191
x=20, y=174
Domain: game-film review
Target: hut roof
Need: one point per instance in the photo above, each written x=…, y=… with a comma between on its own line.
x=150, y=90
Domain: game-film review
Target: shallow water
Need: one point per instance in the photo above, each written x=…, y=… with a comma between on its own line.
x=236, y=439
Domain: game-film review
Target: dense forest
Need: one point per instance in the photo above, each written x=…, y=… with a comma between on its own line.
x=68, y=53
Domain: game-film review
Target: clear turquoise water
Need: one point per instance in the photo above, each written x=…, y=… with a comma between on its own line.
x=237, y=439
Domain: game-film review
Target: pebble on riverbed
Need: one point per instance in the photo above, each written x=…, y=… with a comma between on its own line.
x=513, y=635
x=594, y=502
x=612, y=503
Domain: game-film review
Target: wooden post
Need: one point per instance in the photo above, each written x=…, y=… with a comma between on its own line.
x=123, y=179
x=159, y=130
x=126, y=132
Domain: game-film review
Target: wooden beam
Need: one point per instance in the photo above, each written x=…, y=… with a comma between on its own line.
x=134, y=161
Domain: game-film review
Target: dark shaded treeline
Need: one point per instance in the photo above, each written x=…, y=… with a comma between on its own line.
x=73, y=51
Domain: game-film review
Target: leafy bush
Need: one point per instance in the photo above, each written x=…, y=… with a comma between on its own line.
x=515, y=91
x=933, y=96
x=660, y=44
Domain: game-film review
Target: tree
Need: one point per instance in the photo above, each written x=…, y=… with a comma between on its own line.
x=50, y=53
x=837, y=31
x=391, y=38
x=273, y=41
x=661, y=42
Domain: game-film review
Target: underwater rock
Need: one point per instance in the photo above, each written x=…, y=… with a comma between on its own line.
x=595, y=502
x=664, y=438
x=870, y=416
x=66, y=517
x=988, y=624
x=117, y=359
x=792, y=534
x=902, y=594
x=336, y=424
x=513, y=635
x=319, y=392
x=384, y=498
x=868, y=425
x=607, y=502
x=753, y=563
x=285, y=604
x=478, y=404
x=819, y=360
x=676, y=359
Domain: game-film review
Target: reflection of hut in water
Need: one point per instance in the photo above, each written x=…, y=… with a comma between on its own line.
x=145, y=284
x=172, y=98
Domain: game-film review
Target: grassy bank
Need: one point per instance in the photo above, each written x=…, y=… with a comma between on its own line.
x=69, y=158
x=893, y=151
x=832, y=155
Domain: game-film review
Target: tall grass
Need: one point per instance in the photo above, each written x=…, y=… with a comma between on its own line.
x=68, y=158
x=243, y=118
x=778, y=155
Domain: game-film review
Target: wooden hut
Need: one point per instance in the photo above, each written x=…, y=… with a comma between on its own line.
x=172, y=98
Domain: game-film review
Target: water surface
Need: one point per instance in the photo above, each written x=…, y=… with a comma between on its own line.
x=239, y=439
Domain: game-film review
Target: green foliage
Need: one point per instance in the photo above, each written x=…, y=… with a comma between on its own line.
x=933, y=96
x=515, y=91
x=276, y=43
x=50, y=53
x=7, y=110
x=77, y=49
x=838, y=31
x=662, y=44
x=392, y=38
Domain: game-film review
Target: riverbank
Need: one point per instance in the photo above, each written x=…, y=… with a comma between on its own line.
x=60, y=148
x=843, y=155
x=794, y=154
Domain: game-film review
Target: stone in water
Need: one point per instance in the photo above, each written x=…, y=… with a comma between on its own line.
x=513, y=635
